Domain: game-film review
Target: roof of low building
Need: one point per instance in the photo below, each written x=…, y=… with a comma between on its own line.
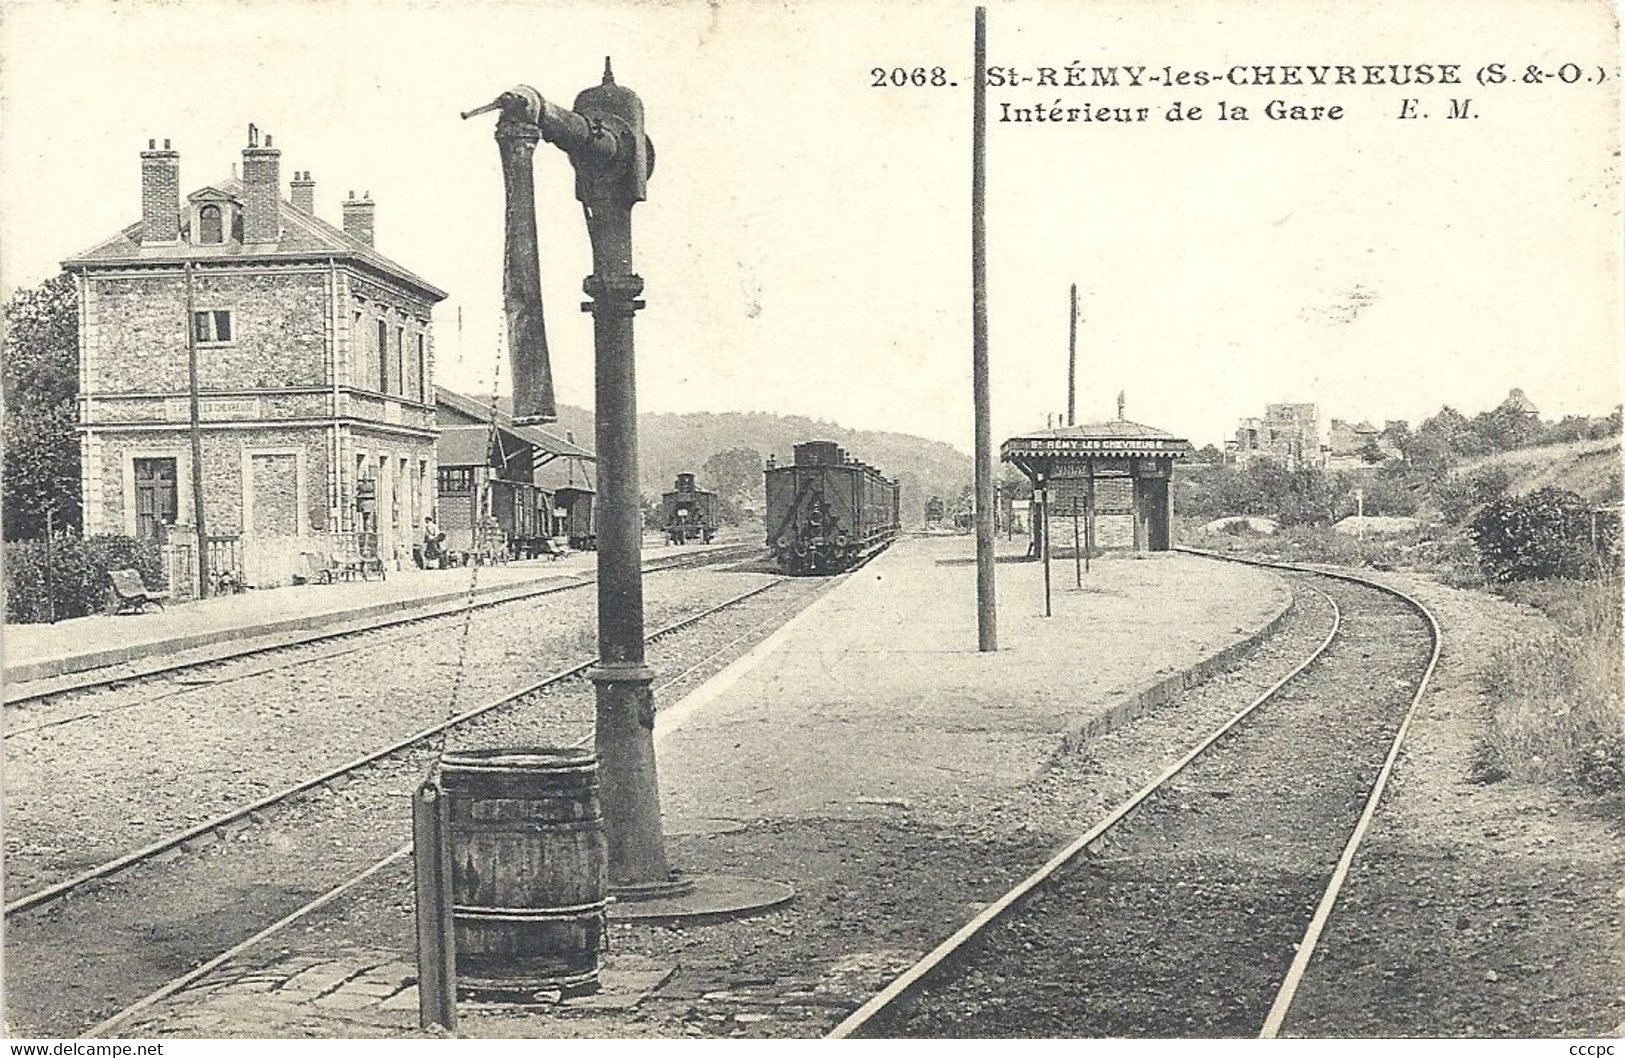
x=304, y=236
x=477, y=411
x=463, y=446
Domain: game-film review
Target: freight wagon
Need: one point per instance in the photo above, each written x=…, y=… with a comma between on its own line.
x=827, y=512
x=690, y=513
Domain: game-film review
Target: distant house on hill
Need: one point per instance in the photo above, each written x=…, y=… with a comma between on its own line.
x=315, y=373
x=1517, y=401
x=1355, y=445
x=1288, y=434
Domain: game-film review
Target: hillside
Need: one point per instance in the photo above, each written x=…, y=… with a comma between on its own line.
x=1589, y=468
x=670, y=444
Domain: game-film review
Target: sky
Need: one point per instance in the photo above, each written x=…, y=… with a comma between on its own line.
x=806, y=239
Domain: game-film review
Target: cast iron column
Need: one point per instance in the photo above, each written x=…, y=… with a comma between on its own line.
x=604, y=138
x=608, y=187
x=625, y=720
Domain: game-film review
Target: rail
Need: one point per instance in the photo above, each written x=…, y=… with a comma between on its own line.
x=917, y=975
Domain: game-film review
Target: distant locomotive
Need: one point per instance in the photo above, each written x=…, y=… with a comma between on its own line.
x=690, y=513
x=827, y=512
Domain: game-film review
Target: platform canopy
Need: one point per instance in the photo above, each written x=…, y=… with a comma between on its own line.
x=1117, y=439
x=1110, y=469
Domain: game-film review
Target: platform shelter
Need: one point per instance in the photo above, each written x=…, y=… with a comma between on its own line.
x=1113, y=477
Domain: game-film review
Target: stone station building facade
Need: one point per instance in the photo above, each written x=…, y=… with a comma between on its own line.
x=315, y=375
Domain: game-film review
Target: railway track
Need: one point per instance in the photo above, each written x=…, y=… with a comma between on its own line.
x=1194, y=907
x=214, y=824
x=294, y=650
x=53, y=931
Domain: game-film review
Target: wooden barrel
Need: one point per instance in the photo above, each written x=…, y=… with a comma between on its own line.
x=529, y=868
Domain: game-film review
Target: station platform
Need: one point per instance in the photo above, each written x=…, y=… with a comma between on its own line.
x=835, y=739
x=43, y=651
x=877, y=695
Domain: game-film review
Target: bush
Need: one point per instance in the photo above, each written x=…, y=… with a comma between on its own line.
x=1459, y=497
x=1544, y=534
x=1555, y=708
x=79, y=568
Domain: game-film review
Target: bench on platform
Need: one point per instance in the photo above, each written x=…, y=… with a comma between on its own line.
x=131, y=593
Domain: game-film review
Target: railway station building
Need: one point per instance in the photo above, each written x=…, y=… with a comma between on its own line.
x=1112, y=477
x=314, y=375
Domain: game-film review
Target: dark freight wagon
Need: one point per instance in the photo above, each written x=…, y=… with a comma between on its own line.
x=690, y=513
x=826, y=512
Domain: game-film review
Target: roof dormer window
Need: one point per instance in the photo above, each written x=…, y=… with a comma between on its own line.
x=210, y=229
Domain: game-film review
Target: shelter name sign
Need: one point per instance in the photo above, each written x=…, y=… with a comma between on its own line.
x=1093, y=444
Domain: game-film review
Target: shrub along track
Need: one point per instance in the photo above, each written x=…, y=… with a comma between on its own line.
x=1180, y=913
x=71, y=961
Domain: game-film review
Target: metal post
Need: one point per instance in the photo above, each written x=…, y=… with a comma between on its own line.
x=603, y=135
x=625, y=704
x=437, y=948
x=50, y=576
x=1077, y=547
x=1072, y=362
x=987, y=622
x=1088, y=515
x=1044, y=550
x=1089, y=522
x=197, y=440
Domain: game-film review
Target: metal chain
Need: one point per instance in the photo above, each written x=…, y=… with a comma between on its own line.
x=460, y=678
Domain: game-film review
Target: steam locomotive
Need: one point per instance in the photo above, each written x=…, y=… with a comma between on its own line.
x=826, y=512
x=691, y=513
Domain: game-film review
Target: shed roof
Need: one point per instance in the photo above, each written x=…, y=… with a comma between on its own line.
x=471, y=410
x=463, y=446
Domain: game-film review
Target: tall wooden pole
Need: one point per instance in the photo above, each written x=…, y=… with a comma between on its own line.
x=987, y=621
x=196, y=432
x=1072, y=363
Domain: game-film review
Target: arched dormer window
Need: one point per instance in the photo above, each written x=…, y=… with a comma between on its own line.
x=208, y=222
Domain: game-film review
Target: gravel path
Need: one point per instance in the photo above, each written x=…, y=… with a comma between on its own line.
x=70, y=963
x=1476, y=909
x=160, y=757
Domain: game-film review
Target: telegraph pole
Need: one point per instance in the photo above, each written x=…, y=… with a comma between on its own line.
x=987, y=621
x=1072, y=363
x=196, y=431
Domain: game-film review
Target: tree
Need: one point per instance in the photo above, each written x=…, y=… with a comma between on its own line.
x=39, y=375
x=730, y=473
x=737, y=469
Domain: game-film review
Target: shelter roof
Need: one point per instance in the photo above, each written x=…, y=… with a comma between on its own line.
x=1117, y=438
